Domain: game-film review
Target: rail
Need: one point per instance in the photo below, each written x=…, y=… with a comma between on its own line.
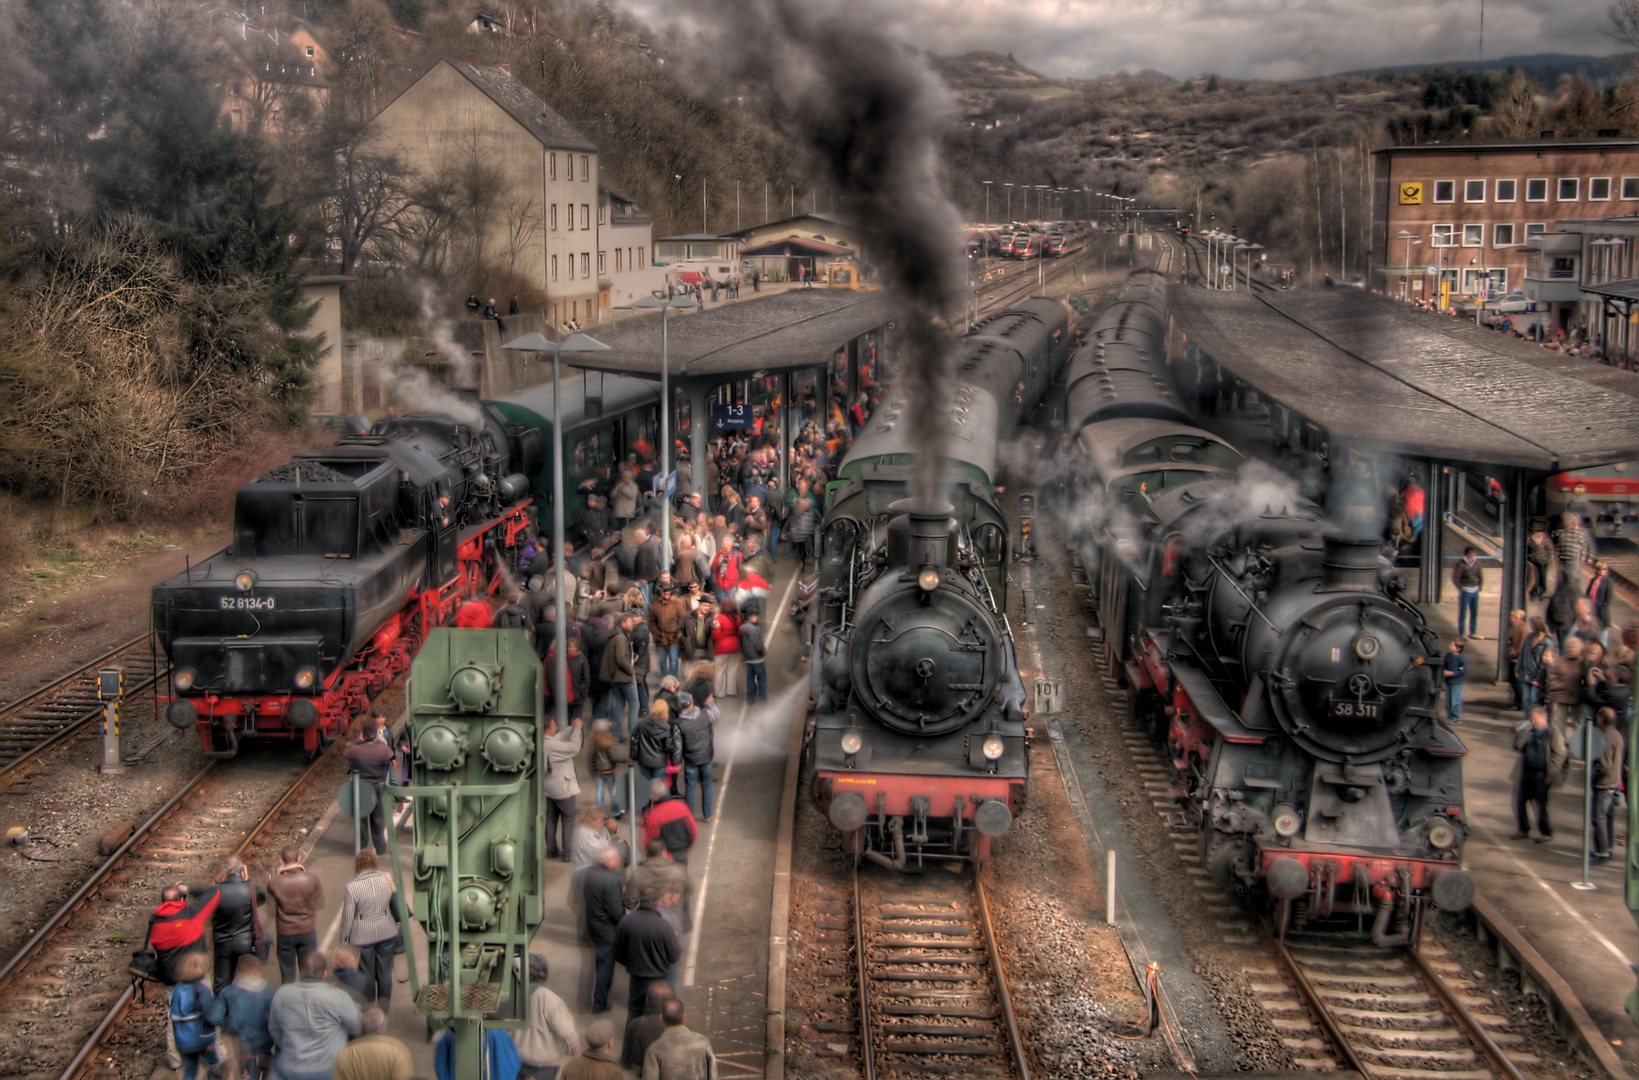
x=1002, y=996
x=123, y=1004
x=60, y=709
x=1321, y=1011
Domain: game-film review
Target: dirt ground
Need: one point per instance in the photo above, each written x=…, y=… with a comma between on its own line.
x=66, y=611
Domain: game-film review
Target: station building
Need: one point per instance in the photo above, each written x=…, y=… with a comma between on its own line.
x=778, y=248
x=1458, y=219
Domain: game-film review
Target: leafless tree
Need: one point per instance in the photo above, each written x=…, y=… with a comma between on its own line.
x=1516, y=113
x=523, y=226
x=371, y=198
x=1578, y=109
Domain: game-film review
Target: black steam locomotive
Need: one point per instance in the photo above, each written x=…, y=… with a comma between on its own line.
x=1293, y=681
x=342, y=559
x=917, y=741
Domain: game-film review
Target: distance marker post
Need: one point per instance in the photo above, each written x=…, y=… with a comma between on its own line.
x=111, y=691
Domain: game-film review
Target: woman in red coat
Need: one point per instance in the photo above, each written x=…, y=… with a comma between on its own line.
x=725, y=649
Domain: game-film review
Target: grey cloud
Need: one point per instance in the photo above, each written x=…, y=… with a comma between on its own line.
x=1237, y=38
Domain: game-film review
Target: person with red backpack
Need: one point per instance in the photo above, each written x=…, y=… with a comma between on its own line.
x=725, y=649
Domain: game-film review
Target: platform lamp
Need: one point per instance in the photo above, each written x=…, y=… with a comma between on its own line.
x=1249, y=248
x=574, y=343
x=650, y=302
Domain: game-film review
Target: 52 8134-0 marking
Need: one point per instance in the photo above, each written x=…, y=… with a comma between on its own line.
x=246, y=603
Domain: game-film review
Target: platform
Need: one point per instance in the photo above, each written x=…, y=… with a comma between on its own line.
x=1587, y=936
x=723, y=976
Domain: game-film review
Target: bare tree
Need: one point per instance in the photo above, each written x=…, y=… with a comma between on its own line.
x=523, y=227
x=1516, y=113
x=1578, y=109
x=1622, y=23
x=371, y=197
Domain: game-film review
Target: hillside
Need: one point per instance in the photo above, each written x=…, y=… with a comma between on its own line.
x=1545, y=69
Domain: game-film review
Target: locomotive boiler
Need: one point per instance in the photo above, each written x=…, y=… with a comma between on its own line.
x=916, y=746
x=342, y=560
x=1280, y=661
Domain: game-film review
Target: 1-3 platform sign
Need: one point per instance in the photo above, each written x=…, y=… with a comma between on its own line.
x=731, y=417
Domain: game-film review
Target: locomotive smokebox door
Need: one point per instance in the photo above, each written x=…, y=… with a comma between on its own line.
x=1027, y=528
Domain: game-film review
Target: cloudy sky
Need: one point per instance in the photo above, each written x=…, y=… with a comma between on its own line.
x=1274, y=39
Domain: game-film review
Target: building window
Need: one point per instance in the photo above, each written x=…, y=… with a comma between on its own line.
x=309, y=51
x=585, y=167
x=1506, y=190
x=1568, y=186
x=1473, y=236
x=554, y=217
x=1502, y=236
x=1473, y=191
x=1536, y=191
x=1599, y=189
x=601, y=205
x=551, y=166
x=1630, y=187
x=554, y=268
x=640, y=261
x=603, y=263
x=571, y=261
x=585, y=264
x=1445, y=191
x=618, y=253
x=569, y=212
x=1442, y=236
x=1534, y=228
x=585, y=215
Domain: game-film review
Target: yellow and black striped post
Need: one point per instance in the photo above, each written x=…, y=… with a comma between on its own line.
x=111, y=691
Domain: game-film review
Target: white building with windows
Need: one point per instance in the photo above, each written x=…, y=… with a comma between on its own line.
x=626, y=267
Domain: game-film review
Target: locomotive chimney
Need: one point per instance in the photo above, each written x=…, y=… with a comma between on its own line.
x=1349, y=564
x=929, y=530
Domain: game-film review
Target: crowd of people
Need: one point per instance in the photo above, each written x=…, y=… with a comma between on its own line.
x=1575, y=341
x=655, y=640
x=1570, y=668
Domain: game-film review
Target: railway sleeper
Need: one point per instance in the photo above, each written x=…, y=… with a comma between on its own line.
x=1391, y=1036
x=939, y=1029
x=901, y=1046
x=974, y=1012
x=919, y=958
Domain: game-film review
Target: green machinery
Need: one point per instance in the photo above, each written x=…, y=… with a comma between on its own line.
x=478, y=871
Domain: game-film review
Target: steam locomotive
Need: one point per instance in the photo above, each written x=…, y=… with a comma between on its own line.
x=1291, y=678
x=342, y=560
x=916, y=745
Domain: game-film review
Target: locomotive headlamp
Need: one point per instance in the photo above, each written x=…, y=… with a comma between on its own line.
x=928, y=579
x=852, y=742
x=1441, y=835
x=1366, y=646
x=993, y=747
x=184, y=678
x=245, y=580
x=305, y=678
x=1287, y=821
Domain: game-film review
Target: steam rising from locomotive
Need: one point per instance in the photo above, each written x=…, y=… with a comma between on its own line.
x=869, y=111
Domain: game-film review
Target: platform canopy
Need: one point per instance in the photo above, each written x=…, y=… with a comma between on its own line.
x=797, y=247
x=798, y=328
x=1382, y=375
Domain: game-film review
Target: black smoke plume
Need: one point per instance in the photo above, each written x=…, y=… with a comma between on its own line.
x=869, y=111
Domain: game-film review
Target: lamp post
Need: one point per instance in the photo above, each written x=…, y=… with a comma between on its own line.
x=1250, y=248
x=1405, y=284
x=574, y=343
x=987, y=184
x=1009, y=188
x=650, y=302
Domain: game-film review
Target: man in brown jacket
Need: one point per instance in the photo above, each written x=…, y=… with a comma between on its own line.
x=1564, y=695
x=298, y=896
x=598, y=1062
x=620, y=672
x=666, y=617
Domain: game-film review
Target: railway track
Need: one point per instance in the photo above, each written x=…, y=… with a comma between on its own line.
x=1334, y=999
x=59, y=710
x=65, y=990
x=917, y=983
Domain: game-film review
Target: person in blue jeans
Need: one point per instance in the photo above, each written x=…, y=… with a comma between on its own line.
x=1468, y=579
x=1454, y=669
x=189, y=1008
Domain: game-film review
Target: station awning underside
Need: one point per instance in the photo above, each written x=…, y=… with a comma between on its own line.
x=1379, y=374
x=796, y=246
x=794, y=329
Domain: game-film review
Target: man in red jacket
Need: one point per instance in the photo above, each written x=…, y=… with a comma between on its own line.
x=475, y=614
x=670, y=820
x=177, y=926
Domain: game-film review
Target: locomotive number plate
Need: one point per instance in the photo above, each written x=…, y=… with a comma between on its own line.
x=1354, y=709
x=246, y=603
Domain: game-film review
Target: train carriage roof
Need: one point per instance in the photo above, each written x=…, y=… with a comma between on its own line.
x=1111, y=445
x=620, y=393
x=1123, y=394
x=969, y=426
